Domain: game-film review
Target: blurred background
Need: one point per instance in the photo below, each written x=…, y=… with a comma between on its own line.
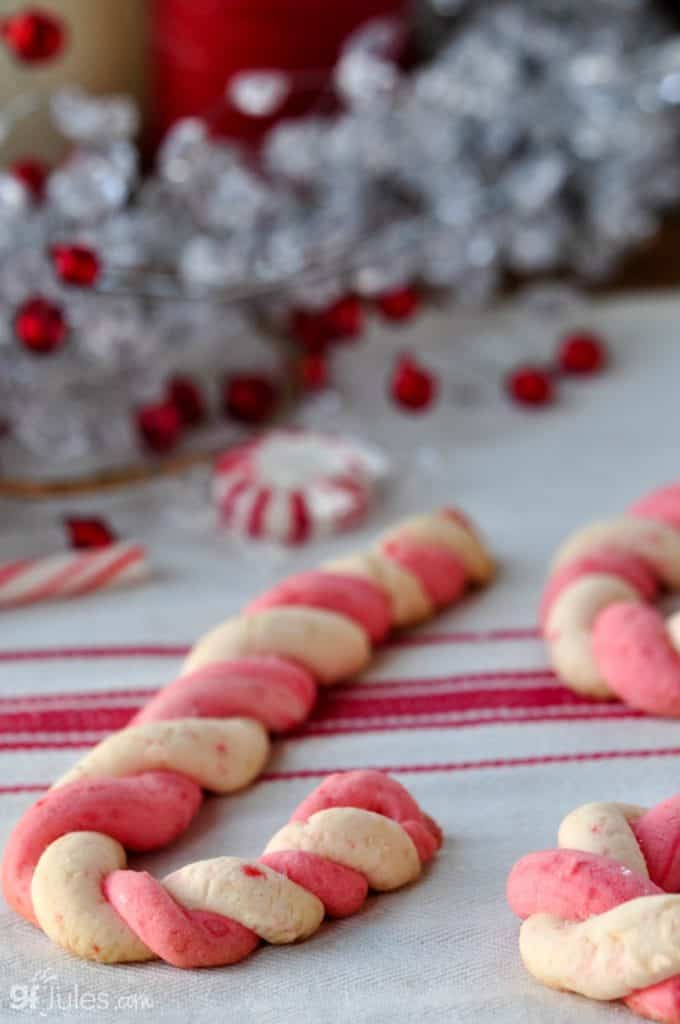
x=206, y=204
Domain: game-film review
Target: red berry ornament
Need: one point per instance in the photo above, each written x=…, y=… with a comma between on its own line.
x=249, y=398
x=342, y=321
x=399, y=305
x=33, y=35
x=412, y=386
x=582, y=353
x=33, y=174
x=187, y=398
x=345, y=318
x=530, y=385
x=314, y=371
x=85, y=534
x=75, y=264
x=311, y=330
x=159, y=426
x=40, y=326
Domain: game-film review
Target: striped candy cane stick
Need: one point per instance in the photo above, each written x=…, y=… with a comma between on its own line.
x=71, y=574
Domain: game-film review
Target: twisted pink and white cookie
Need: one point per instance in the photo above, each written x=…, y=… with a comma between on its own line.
x=601, y=917
x=604, y=636
x=64, y=866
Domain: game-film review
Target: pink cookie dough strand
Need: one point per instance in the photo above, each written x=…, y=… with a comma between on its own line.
x=143, y=812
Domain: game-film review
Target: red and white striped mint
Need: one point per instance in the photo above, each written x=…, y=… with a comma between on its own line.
x=289, y=486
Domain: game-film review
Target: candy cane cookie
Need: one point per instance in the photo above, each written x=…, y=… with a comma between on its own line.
x=604, y=636
x=64, y=867
x=601, y=913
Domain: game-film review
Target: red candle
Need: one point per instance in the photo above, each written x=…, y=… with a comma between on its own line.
x=198, y=45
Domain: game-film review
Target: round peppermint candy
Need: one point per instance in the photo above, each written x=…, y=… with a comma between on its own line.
x=290, y=486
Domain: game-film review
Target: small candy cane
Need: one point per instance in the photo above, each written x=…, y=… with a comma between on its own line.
x=71, y=574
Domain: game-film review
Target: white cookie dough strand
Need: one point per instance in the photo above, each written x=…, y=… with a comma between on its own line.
x=378, y=847
x=604, y=829
x=655, y=542
x=569, y=627
x=331, y=646
x=222, y=755
x=438, y=528
x=609, y=956
x=673, y=630
x=70, y=905
x=268, y=903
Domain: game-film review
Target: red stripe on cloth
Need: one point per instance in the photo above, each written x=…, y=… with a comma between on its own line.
x=430, y=769
x=436, y=703
x=467, y=766
x=319, y=729
x=49, y=744
x=330, y=730
x=67, y=720
x=180, y=650
x=96, y=653
x=518, y=676
x=358, y=690
x=354, y=691
x=95, y=718
x=72, y=723
x=29, y=787
x=72, y=698
x=353, y=730
x=472, y=637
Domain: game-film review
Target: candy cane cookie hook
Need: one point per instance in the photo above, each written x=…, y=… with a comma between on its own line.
x=601, y=913
x=64, y=867
x=604, y=637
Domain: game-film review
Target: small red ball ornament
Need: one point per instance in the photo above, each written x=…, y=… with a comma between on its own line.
x=412, y=386
x=249, y=398
x=75, y=264
x=187, y=398
x=85, y=534
x=342, y=321
x=311, y=330
x=33, y=174
x=530, y=385
x=345, y=318
x=40, y=326
x=314, y=371
x=33, y=35
x=582, y=353
x=399, y=305
x=159, y=426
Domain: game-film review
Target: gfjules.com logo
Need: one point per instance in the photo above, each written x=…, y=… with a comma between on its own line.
x=44, y=995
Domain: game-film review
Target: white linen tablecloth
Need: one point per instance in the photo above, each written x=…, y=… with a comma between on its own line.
x=465, y=713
